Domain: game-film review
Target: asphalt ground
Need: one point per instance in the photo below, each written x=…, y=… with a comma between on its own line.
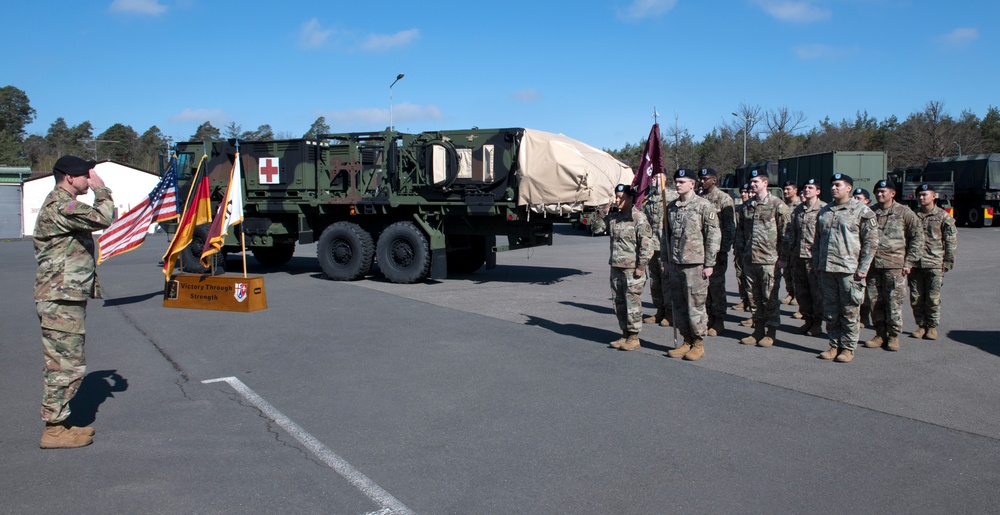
x=495, y=393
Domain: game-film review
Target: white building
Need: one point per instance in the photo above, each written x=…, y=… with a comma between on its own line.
x=128, y=187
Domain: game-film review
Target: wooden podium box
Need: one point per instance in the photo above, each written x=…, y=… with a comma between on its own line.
x=218, y=292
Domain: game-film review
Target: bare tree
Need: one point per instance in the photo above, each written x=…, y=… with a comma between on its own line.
x=782, y=125
x=679, y=146
x=748, y=116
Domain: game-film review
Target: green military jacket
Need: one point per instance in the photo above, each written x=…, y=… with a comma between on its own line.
x=900, y=237
x=726, y=211
x=940, y=239
x=846, y=238
x=631, y=238
x=652, y=207
x=762, y=230
x=64, y=245
x=802, y=230
x=692, y=234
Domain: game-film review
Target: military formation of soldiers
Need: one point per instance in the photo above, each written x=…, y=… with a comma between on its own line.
x=835, y=257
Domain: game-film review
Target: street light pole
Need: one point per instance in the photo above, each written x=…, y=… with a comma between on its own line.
x=959, y=149
x=400, y=76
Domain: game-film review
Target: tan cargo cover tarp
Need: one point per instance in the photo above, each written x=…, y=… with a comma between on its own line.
x=559, y=175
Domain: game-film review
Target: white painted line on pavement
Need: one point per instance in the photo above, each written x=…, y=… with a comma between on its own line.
x=389, y=504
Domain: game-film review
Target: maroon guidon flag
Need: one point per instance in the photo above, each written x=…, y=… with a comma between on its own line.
x=650, y=165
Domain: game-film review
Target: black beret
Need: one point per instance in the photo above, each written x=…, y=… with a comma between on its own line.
x=72, y=165
x=885, y=183
x=842, y=177
x=789, y=183
x=808, y=182
x=746, y=186
x=708, y=172
x=925, y=187
x=757, y=173
x=861, y=191
x=687, y=174
x=626, y=189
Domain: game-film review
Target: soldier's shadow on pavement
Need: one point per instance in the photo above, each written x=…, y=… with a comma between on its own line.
x=133, y=299
x=603, y=310
x=587, y=333
x=95, y=388
x=987, y=341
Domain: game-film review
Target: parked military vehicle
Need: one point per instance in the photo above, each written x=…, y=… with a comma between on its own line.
x=976, y=187
x=942, y=181
x=419, y=205
x=732, y=182
x=866, y=168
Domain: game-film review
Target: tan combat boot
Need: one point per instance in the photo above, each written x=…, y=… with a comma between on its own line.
x=816, y=328
x=651, y=319
x=696, y=352
x=617, y=344
x=631, y=342
x=798, y=315
x=919, y=333
x=680, y=351
x=664, y=321
x=56, y=436
x=875, y=342
x=719, y=327
x=893, y=343
x=787, y=299
x=758, y=334
x=87, y=430
x=931, y=333
x=769, y=338
x=740, y=307
x=747, y=323
x=845, y=356
x=829, y=354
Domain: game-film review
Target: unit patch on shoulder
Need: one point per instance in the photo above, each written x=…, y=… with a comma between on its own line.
x=70, y=206
x=872, y=222
x=711, y=215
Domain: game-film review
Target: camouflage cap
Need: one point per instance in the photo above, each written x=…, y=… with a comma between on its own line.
x=861, y=191
x=72, y=165
x=708, y=172
x=884, y=183
x=842, y=177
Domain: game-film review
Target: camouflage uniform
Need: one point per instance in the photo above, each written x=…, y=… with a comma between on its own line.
x=801, y=234
x=726, y=213
x=652, y=207
x=846, y=241
x=900, y=242
x=739, y=261
x=787, y=272
x=65, y=279
x=690, y=244
x=631, y=248
x=763, y=232
x=937, y=256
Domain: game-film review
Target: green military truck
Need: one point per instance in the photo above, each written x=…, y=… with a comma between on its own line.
x=417, y=205
x=976, y=184
x=866, y=168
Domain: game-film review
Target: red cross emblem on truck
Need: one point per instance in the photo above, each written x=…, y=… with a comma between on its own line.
x=268, y=170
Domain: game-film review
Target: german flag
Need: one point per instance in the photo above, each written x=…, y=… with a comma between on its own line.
x=199, y=211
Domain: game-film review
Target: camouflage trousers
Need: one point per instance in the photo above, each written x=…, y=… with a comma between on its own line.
x=786, y=274
x=808, y=292
x=628, y=303
x=62, y=346
x=925, y=295
x=716, y=304
x=763, y=287
x=657, y=282
x=689, y=292
x=886, y=289
x=842, y=296
x=741, y=282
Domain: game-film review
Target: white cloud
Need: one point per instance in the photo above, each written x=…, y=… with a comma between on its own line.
x=527, y=95
x=640, y=9
x=376, y=42
x=313, y=35
x=960, y=37
x=820, y=51
x=796, y=11
x=150, y=7
x=405, y=112
x=216, y=116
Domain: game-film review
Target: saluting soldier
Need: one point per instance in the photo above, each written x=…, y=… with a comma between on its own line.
x=726, y=215
x=690, y=249
x=763, y=233
x=900, y=243
x=846, y=240
x=938, y=256
x=652, y=207
x=631, y=249
x=801, y=235
x=65, y=279
x=791, y=193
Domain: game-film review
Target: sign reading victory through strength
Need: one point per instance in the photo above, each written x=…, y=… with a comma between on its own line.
x=218, y=292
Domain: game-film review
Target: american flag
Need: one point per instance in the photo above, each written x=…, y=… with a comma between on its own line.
x=129, y=231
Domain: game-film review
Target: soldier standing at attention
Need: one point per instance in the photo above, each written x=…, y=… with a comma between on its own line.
x=801, y=234
x=763, y=234
x=846, y=240
x=726, y=215
x=66, y=278
x=631, y=249
x=900, y=243
x=791, y=192
x=690, y=248
x=937, y=257
x=862, y=195
x=738, y=246
x=652, y=207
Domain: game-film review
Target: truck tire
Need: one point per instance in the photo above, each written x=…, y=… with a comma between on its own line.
x=470, y=256
x=974, y=216
x=345, y=251
x=276, y=255
x=191, y=255
x=404, y=255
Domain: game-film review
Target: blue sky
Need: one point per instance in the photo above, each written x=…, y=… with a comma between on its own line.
x=591, y=69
